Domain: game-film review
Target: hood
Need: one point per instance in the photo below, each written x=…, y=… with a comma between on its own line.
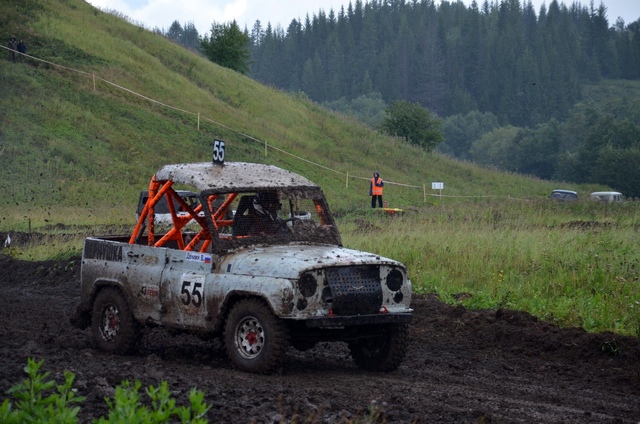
x=291, y=260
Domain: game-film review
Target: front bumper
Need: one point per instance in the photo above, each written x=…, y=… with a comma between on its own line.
x=355, y=320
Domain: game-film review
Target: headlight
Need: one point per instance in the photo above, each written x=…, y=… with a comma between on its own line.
x=395, y=280
x=307, y=285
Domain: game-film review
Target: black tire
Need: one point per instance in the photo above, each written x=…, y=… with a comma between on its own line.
x=255, y=339
x=382, y=352
x=113, y=326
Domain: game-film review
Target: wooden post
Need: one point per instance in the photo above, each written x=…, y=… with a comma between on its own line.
x=198, y=121
x=424, y=193
x=94, y=82
x=347, y=180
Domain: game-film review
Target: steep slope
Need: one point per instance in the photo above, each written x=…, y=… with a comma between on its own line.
x=102, y=103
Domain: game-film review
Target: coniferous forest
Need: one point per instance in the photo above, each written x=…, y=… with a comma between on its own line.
x=512, y=86
x=523, y=66
x=506, y=79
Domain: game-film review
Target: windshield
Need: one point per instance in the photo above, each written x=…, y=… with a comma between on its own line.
x=278, y=216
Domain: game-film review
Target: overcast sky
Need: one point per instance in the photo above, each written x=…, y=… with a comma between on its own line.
x=161, y=13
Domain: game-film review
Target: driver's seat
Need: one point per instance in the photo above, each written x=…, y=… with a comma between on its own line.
x=241, y=225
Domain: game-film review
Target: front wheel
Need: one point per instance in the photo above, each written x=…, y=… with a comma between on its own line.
x=383, y=351
x=113, y=326
x=255, y=339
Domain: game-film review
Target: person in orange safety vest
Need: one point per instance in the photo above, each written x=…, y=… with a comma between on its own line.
x=375, y=190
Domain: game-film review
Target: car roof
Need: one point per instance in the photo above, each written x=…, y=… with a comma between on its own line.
x=603, y=193
x=564, y=191
x=231, y=176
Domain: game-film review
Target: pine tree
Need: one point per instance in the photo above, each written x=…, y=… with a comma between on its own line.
x=174, y=32
x=228, y=46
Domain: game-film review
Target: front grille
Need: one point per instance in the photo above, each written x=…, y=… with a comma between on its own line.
x=355, y=290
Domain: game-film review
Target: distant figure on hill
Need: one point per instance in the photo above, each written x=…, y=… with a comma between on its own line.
x=12, y=48
x=375, y=190
x=22, y=48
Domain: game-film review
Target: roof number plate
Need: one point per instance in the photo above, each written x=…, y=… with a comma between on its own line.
x=218, y=151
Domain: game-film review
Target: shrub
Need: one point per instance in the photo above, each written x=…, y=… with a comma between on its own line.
x=38, y=400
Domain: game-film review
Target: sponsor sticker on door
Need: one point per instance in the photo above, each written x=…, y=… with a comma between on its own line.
x=198, y=257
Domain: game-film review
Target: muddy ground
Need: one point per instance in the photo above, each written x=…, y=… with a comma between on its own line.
x=462, y=366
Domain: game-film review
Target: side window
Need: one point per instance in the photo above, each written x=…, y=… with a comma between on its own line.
x=243, y=215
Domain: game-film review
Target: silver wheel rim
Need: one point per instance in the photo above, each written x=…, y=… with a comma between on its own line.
x=250, y=338
x=110, y=323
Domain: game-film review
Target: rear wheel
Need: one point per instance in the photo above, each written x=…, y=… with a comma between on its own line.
x=113, y=326
x=384, y=351
x=255, y=339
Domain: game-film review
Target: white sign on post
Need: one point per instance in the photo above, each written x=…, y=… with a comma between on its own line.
x=437, y=186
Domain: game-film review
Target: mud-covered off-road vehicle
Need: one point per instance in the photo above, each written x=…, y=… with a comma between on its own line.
x=258, y=260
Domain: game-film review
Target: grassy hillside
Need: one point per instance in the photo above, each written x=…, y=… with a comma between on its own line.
x=70, y=137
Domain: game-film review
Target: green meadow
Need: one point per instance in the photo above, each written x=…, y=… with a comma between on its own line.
x=571, y=264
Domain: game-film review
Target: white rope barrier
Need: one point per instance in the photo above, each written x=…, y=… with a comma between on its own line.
x=94, y=77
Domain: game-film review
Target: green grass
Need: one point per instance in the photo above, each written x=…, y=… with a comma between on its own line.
x=575, y=265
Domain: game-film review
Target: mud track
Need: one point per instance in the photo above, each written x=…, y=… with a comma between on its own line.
x=463, y=366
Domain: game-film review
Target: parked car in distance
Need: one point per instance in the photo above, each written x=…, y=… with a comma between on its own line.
x=607, y=196
x=564, y=195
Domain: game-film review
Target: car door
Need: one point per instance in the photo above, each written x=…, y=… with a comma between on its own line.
x=183, y=290
x=143, y=268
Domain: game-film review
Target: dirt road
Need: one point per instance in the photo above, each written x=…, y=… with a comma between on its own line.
x=463, y=366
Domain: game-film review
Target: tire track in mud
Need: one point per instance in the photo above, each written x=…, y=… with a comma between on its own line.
x=462, y=366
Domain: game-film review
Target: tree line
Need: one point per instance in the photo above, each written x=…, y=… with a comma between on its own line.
x=597, y=143
x=504, y=79
x=499, y=57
